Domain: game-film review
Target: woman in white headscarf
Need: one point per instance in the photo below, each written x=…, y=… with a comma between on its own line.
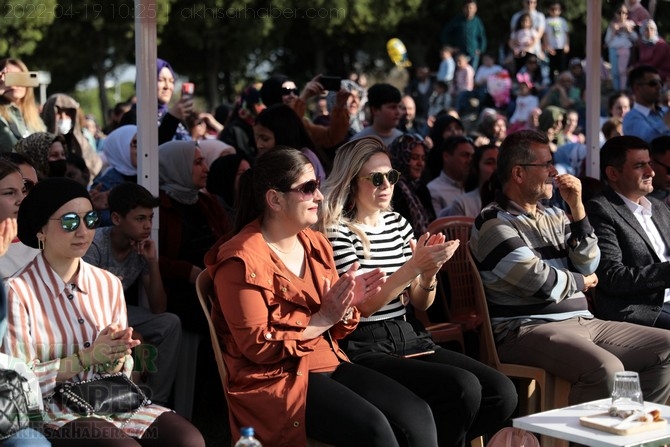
x=120, y=151
x=191, y=221
x=653, y=50
x=213, y=149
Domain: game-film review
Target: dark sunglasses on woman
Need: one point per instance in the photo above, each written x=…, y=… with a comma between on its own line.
x=71, y=221
x=377, y=178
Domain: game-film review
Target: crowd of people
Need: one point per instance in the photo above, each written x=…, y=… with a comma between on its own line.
x=313, y=228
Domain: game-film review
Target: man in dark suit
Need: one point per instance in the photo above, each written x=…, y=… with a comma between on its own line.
x=633, y=231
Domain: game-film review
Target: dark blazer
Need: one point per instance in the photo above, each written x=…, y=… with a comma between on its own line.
x=631, y=278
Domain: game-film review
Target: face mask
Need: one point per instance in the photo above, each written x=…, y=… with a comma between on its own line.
x=57, y=168
x=64, y=126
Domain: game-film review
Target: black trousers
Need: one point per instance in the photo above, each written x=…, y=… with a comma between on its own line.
x=356, y=406
x=467, y=398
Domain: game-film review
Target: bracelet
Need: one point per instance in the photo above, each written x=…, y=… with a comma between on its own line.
x=430, y=288
x=347, y=315
x=81, y=363
x=107, y=366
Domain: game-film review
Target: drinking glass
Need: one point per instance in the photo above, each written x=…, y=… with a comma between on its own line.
x=626, y=394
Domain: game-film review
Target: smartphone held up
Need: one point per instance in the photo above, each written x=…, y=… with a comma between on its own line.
x=331, y=83
x=187, y=90
x=22, y=79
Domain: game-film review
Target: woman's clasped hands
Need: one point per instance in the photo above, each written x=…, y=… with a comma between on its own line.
x=111, y=346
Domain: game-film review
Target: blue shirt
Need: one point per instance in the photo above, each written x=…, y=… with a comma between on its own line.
x=645, y=123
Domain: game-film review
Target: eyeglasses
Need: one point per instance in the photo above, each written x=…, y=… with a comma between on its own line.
x=133, y=143
x=652, y=83
x=377, y=178
x=548, y=165
x=656, y=162
x=71, y=221
x=307, y=189
x=27, y=185
x=287, y=91
x=623, y=13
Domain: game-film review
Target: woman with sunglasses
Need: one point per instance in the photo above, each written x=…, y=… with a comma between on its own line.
x=280, y=311
x=467, y=398
x=67, y=321
x=411, y=198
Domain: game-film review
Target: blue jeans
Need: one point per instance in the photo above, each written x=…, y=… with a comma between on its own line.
x=26, y=438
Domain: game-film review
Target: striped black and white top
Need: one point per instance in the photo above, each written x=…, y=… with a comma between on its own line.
x=389, y=250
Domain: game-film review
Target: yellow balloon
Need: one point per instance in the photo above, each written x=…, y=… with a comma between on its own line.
x=397, y=52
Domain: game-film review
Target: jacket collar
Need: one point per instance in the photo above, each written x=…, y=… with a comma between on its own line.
x=260, y=270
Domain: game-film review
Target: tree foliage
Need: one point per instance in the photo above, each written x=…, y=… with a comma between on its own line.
x=22, y=25
x=91, y=38
x=222, y=45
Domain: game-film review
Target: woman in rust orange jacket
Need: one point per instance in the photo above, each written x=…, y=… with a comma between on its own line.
x=280, y=310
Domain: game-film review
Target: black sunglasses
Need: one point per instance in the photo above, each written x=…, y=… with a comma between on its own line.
x=287, y=91
x=306, y=189
x=70, y=221
x=377, y=178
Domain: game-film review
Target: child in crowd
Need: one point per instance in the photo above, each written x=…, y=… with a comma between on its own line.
x=556, y=39
x=464, y=82
x=619, y=38
x=487, y=69
x=526, y=102
x=439, y=100
x=523, y=40
x=447, y=67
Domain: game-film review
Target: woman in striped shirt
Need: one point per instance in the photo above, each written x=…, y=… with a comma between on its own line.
x=67, y=321
x=467, y=398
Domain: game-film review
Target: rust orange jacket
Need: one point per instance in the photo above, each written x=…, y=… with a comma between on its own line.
x=260, y=316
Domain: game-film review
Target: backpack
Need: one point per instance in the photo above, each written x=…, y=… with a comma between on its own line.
x=513, y=437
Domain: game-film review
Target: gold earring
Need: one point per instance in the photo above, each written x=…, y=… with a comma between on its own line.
x=40, y=244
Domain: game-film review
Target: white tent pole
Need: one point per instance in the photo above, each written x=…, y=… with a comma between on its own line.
x=593, y=19
x=147, y=134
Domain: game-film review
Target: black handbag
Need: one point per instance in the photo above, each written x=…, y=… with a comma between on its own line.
x=105, y=395
x=14, y=389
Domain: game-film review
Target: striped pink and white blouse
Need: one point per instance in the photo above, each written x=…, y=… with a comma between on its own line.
x=49, y=320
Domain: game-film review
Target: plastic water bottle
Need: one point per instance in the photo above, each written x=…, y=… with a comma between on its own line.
x=247, y=439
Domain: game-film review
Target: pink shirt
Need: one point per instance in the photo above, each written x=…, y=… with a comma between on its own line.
x=49, y=320
x=465, y=79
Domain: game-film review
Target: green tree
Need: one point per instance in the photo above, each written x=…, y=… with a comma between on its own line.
x=217, y=42
x=212, y=42
x=92, y=38
x=22, y=25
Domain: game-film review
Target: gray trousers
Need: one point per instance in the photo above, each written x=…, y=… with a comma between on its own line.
x=587, y=353
x=158, y=356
